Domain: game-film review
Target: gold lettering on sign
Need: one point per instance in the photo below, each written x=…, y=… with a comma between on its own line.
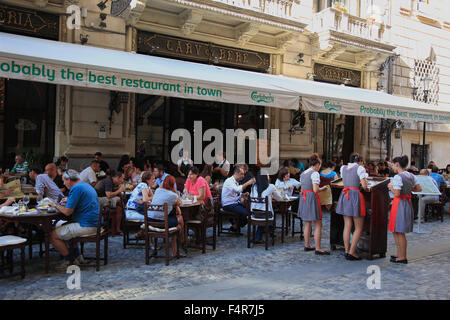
x=188, y=48
x=205, y=52
x=197, y=49
x=12, y=15
x=230, y=55
x=28, y=22
x=238, y=57
x=169, y=45
x=179, y=50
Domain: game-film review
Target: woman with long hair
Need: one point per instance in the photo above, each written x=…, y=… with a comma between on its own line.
x=401, y=217
x=167, y=193
x=351, y=203
x=309, y=208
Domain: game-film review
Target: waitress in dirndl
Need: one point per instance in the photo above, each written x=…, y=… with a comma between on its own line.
x=351, y=203
x=309, y=208
x=401, y=217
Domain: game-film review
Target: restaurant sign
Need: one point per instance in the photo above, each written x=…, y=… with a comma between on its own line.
x=117, y=81
x=337, y=75
x=364, y=110
x=29, y=22
x=161, y=45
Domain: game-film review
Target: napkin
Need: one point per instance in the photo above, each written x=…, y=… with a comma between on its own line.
x=9, y=210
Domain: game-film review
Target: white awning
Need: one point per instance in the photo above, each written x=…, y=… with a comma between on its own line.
x=338, y=99
x=77, y=65
x=71, y=64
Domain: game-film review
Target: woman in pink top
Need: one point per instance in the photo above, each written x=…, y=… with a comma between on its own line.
x=197, y=185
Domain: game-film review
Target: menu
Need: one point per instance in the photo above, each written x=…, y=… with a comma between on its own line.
x=428, y=186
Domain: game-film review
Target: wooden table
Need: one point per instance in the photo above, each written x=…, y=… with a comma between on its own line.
x=283, y=206
x=373, y=240
x=43, y=221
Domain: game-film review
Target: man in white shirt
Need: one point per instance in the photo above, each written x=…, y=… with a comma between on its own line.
x=184, y=164
x=232, y=197
x=88, y=175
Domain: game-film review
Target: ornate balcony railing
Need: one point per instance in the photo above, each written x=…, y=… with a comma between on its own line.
x=285, y=9
x=342, y=22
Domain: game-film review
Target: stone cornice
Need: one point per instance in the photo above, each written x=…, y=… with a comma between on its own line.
x=248, y=15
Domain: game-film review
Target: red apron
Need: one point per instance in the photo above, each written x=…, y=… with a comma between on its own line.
x=304, y=192
x=394, y=209
x=361, y=198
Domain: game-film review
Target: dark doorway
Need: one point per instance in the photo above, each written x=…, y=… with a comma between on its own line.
x=158, y=117
x=29, y=121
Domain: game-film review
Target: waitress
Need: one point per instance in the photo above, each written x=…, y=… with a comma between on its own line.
x=309, y=208
x=401, y=217
x=351, y=203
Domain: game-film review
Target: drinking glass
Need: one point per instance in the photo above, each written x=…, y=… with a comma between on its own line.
x=26, y=200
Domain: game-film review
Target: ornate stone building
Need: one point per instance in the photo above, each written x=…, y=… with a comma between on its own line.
x=352, y=42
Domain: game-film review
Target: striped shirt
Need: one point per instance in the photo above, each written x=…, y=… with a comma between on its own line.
x=20, y=168
x=43, y=181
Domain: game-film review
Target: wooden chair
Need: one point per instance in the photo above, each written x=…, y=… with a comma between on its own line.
x=180, y=181
x=436, y=208
x=223, y=214
x=155, y=230
x=102, y=233
x=130, y=226
x=208, y=219
x=259, y=219
x=8, y=244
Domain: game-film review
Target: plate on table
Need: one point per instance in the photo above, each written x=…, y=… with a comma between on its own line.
x=44, y=207
x=187, y=201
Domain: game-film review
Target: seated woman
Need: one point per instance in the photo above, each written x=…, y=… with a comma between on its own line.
x=447, y=172
x=141, y=194
x=197, y=185
x=372, y=170
x=167, y=194
x=328, y=171
x=262, y=189
x=285, y=182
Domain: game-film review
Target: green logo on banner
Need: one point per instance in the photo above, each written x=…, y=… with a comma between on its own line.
x=261, y=97
x=330, y=106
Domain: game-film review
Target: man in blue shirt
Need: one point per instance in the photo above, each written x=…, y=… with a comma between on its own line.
x=437, y=177
x=83, y=205
x=160, y=175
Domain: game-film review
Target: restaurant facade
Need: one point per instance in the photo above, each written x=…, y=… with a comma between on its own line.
x=313, y=40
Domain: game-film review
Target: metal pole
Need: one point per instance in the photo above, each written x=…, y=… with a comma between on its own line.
x=423, y=145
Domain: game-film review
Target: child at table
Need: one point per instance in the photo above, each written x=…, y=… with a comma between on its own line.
x=401, y=217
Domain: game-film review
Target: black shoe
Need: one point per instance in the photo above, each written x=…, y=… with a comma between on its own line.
x=322, y=253
x=400, y=261
x=352, y=257
x=393, y=258
x=310, y=249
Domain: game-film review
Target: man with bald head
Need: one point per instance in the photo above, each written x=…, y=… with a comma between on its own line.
x=427, y=199
x=51, y=171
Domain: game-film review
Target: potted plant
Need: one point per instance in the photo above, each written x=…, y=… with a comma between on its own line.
x=340, y=5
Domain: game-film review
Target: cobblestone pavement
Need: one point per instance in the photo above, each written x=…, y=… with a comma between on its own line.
x=235, y=272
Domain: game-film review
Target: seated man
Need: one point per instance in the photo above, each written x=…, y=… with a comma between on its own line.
x=82, y=204
x=20, y=167
x=231, y=196
x=160, y=174
x=52, y=171
x=439, y=178
x=89, y=174
x=109, y=198
x=44, y=185
x=424, y=200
